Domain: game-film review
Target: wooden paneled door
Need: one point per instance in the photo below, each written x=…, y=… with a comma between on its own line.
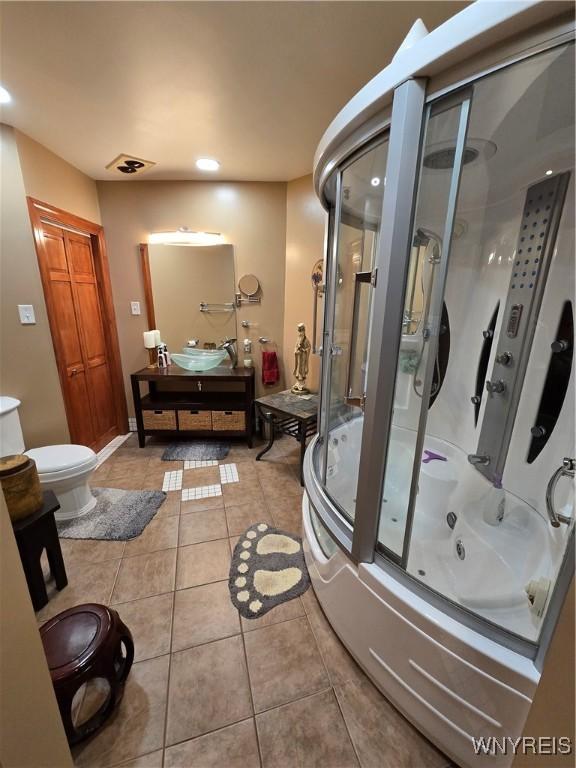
x=74, y=269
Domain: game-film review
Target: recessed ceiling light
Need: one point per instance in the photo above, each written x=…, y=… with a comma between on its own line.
x=375, y=181
x=207, y=164
x=549, y=172
x=5, y=97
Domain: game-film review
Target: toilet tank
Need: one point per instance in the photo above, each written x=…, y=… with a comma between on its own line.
x=11, y=439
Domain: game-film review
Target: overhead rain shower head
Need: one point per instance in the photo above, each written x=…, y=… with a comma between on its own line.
x=443, y=159
x=440, y=157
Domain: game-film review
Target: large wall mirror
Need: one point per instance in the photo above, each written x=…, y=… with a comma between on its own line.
x=190, y=293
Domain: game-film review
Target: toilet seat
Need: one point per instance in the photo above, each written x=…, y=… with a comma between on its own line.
x=60, y=462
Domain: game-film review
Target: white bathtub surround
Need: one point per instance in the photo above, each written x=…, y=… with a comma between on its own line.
x=475, y=563
x=453, y=682
x=202, y=492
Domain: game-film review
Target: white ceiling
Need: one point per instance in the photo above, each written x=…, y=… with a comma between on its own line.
x=253, y=84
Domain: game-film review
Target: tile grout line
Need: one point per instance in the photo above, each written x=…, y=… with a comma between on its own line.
x=130, y=760
x=293, y=701
x=109, y=601
x=261, y=482
x=243, y=640
x=165, y=729
x=329, y=676
x=253, y=717
x=346, y=726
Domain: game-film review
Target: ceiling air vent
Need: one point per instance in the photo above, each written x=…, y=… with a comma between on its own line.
x=126, y=164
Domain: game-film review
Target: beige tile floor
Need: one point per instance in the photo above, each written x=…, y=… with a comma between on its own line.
x=208, y=689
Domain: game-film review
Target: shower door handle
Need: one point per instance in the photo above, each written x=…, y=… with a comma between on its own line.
x=567, y=469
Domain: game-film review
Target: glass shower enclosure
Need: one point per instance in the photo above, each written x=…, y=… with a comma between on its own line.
x=447, y=383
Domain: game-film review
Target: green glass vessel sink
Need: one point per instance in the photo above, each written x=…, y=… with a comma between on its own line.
x=199, y=359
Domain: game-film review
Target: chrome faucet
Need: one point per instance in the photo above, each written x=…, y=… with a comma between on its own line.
x=475, y=458
x=230, y=346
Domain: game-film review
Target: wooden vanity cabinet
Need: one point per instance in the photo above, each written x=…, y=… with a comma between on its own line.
x=217, y=403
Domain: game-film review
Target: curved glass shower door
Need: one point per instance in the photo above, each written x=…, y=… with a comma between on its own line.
x=358, y=223
x=422, y=321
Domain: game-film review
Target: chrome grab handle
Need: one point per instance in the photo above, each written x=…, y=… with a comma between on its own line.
x=318, y=290
x=567, y=469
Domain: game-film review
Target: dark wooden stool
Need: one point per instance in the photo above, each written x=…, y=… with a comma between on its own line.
x=34, y=534
x=81, y=644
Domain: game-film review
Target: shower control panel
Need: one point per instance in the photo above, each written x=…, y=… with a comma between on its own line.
x=534, y=250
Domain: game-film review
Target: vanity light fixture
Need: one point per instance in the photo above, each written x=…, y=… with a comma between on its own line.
x=185, y=236
x=5, y=97
x=375, y=181
x=207, y=164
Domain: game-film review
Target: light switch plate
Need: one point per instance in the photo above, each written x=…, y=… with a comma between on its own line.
x=26, y=313
x=135, y=305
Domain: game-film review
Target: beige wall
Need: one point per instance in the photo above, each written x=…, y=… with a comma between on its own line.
x=250, y=215
x=27, y=365
x=52, y=180
x=31, y=731
x=305, y=224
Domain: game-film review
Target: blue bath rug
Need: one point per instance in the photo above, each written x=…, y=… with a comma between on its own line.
x=118, y=515
x=196, y=450
x=267, y=569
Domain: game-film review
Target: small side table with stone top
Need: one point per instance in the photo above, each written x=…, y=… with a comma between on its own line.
x=289, y=414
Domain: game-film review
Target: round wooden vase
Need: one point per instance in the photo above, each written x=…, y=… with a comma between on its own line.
x=21, y=486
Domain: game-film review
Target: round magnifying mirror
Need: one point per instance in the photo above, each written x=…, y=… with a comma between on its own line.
x=249, y=285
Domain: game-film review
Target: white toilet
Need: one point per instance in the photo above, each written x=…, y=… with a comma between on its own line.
x=64, y=469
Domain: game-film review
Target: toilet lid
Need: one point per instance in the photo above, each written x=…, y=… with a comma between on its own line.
x=55, y=458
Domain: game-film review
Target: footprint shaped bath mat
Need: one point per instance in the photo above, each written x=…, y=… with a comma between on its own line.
x=267, y=569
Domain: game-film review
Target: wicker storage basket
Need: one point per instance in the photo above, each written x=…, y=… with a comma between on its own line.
x=195, y=420
x=233, y=421
x=159, y=419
